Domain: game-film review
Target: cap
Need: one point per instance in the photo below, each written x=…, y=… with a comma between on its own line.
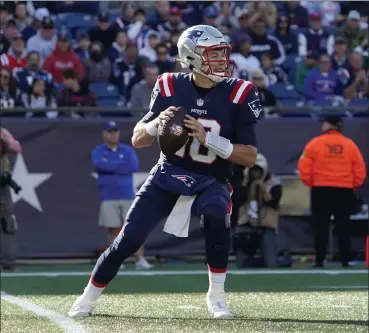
x=174, y=11
x=83, y=34
x=313, y=55
x=3, y=6
x=103, y=17
x=111, y=125
x=340, y=40
x=353, y=15
x=243, y=38
x=63, y=35
x=315, y=16
x=333, y=119
x=210, y=12
x=11, y=23
x=41, y=13
x=47, y=23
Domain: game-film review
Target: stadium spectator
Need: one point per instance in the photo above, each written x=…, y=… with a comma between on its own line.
x=115, y=164
x=83, y=47
x=242, y=24
x=128, y=10
x=273, y=74
x=152, y=40
x=75, y=93
x=352, y=33
x=172, y=43
x=39, y=97
x=127, y=71
x=190, y=11
x=104, y=32
x=63, y=58
x=245, y=63
x=160, y=15
x=173, y=24
x=91, y=7
x=339, y=55
x=9, y=94
x=31, y=29
x=321, y=167
x=262, y=42
x=164, y=63
x=4, y=14
x=7, y=36
x=44, y=41
x=209, y=16
x=288, y=38
x=227, y=15
x=141, y=91
x=98, y=66
x=357, y=85
x=20, y=15
x=298, y=15
x=264, y=10
x=323, y=82
x=260, y=197
x=317, y=38
x=16, y=57
x=267, y=98
x=24, y=76
x=304, y=68
x=329, y=10
x=119, y=46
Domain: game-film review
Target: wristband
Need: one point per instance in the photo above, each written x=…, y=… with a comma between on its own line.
x=151, y=129
x=219, y=145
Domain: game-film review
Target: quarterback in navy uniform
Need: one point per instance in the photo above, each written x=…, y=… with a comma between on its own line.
x=221, y=113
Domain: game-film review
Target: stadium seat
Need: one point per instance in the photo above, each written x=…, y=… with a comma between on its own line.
x=282, y=91
x=291, y=102
x=107, y=102
x=359, y=102
x=75, y=21
x=324, y=113
x=104, y=90
x=296, y=114
x=361, y=114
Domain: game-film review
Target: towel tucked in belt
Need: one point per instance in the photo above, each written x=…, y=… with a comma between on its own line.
x=178, y=221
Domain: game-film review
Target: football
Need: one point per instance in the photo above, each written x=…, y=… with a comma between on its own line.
x=173, y=135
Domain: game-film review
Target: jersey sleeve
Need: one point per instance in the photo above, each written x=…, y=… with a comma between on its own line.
x=246, y=114
x=158, y=102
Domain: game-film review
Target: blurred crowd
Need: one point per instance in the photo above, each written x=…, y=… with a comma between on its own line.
x=69, y=53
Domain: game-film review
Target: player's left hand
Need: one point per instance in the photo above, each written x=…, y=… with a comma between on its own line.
x=198, y=131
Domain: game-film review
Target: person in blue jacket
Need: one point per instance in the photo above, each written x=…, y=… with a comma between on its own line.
x=115, y=164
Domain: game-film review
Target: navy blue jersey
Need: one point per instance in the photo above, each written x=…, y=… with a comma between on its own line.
x=230, y=110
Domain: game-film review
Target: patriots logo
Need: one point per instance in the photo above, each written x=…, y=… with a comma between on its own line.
x=176, y=129
x=187, y=180
x=255, y=107
x=194, y=35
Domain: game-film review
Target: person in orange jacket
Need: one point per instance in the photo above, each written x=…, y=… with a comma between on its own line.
x=332, y=166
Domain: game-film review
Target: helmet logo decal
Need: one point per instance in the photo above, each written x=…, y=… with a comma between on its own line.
x=194, y=35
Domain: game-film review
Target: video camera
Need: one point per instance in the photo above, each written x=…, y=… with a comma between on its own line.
x=7, y=180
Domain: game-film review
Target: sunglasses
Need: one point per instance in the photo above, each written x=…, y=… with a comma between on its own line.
x=2, y=76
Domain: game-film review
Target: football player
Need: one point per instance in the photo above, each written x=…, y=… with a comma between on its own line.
x=221, y=113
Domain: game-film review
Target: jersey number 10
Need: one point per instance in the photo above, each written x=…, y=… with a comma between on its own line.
x=194, y=149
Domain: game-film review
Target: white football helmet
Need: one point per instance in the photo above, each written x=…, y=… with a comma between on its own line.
x=194, y=45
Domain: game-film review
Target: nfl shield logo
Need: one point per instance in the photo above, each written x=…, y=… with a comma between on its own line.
x=200, y=102
x=176, y=130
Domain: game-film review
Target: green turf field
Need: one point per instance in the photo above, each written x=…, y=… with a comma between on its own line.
x=171, y=299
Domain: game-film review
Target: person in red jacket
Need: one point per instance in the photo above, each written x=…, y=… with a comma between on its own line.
x=63, y=58
x=16, y=57
x=332, y=166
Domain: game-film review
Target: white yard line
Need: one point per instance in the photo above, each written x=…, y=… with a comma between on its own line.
x=195, y=272
x=69, y=325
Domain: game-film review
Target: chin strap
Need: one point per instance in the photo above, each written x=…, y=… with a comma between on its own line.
x=219, y=145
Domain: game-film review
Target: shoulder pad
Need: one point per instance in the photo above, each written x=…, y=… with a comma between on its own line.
x=166, y=84
x=240, y=91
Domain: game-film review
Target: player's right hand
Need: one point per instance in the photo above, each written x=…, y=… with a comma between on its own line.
x=165, y=115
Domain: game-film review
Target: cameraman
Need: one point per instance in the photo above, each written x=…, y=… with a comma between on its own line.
x=258, y=213
x=8, y=222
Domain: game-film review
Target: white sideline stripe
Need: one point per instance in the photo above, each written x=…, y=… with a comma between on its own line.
x=69, y=325
x=339, y=287
x=194, y=272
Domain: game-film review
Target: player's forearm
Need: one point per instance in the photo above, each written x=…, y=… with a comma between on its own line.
x=141, y=137
x=243, y=155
